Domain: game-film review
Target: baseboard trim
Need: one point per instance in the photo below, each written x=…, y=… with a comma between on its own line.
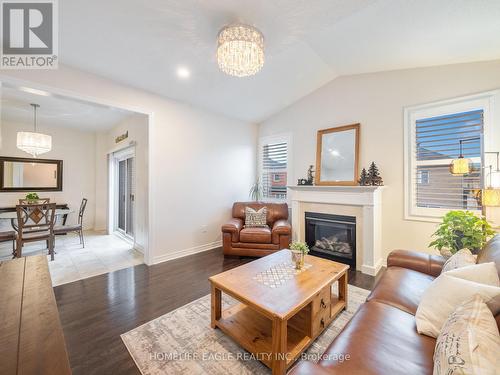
x=186, y=252
x=139, y=248
x=372, y=270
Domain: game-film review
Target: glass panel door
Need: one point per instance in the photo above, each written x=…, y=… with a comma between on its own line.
x=125, y=196
x=130, y=197
x=122, y=193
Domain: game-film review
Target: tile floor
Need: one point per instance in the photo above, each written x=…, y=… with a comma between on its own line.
x=102, y=254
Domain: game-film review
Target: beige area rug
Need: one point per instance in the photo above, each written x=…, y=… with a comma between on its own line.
x=182, y=342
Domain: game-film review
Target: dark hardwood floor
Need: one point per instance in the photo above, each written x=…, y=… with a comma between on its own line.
x=94, y=312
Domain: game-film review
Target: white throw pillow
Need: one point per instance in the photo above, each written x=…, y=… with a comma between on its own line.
x=469, y=342
x=484, y=273
x=452, y=288
x=461, y=258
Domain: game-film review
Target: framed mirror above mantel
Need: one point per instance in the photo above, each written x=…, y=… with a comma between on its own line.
x=337, y=156
x=30, y=174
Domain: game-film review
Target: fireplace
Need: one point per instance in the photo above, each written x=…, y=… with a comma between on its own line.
x=332, y=237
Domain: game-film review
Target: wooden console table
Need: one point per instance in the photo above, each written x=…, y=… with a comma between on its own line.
x=31, y=337
x=281, y=311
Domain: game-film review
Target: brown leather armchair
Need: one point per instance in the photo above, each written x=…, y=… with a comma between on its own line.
x=238, y=240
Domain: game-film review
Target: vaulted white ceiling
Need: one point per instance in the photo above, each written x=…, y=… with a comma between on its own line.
x=308, y=43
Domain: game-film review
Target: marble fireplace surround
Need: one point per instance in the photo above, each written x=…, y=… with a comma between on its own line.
x=362, y=202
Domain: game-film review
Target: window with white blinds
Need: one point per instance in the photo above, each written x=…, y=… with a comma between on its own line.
x=437, y=144
x=433, y=134
x=274, y=167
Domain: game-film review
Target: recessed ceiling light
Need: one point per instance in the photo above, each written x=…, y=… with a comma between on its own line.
x=183, y=72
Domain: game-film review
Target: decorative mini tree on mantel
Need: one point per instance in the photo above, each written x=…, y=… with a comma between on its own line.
x=374, y=177
x=363, y=178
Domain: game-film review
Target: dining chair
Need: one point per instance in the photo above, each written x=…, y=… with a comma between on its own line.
x=35, y=223
x=77, y=228
x=32, y=201
x=9, y=235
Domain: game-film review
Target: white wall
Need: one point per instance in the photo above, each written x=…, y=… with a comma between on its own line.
x=376, y=101
x=200, y=163
x=76, y=149
x=137, y=128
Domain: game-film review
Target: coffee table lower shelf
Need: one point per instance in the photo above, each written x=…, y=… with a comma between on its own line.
x=253, y=331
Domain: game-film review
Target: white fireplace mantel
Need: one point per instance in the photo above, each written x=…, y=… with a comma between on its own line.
x=364, y=201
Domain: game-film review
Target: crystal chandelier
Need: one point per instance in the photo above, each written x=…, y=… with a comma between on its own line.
x=240, y=50
x=32, y=142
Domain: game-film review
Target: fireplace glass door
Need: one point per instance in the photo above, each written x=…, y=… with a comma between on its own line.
x=332, y=236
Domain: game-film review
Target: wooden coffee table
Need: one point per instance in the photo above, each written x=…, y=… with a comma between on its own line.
x=281, y=311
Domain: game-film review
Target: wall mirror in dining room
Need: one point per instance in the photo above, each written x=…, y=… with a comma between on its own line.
x=30, y=174
x=337, y=155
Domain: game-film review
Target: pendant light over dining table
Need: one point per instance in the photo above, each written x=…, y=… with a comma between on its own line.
x=34, y=143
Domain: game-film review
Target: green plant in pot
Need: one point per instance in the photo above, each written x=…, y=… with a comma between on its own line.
x=459, y=230
x=299, y=251
x=256, y=191
x=32, y=198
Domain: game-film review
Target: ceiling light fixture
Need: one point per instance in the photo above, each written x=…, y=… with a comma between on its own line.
x=183, y=72
x=32, y=142
x=240, y=50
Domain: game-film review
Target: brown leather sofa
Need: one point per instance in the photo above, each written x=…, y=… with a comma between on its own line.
x=382, y=338
x=238, y=240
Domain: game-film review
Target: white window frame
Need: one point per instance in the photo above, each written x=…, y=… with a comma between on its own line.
x=487, y=101
x=284, y=137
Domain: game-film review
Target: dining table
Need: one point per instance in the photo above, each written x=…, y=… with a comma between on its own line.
x=12, y=215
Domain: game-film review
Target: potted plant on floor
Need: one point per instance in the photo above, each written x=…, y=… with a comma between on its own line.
x=256, y=191
x=459, y=230
x=299, y=251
